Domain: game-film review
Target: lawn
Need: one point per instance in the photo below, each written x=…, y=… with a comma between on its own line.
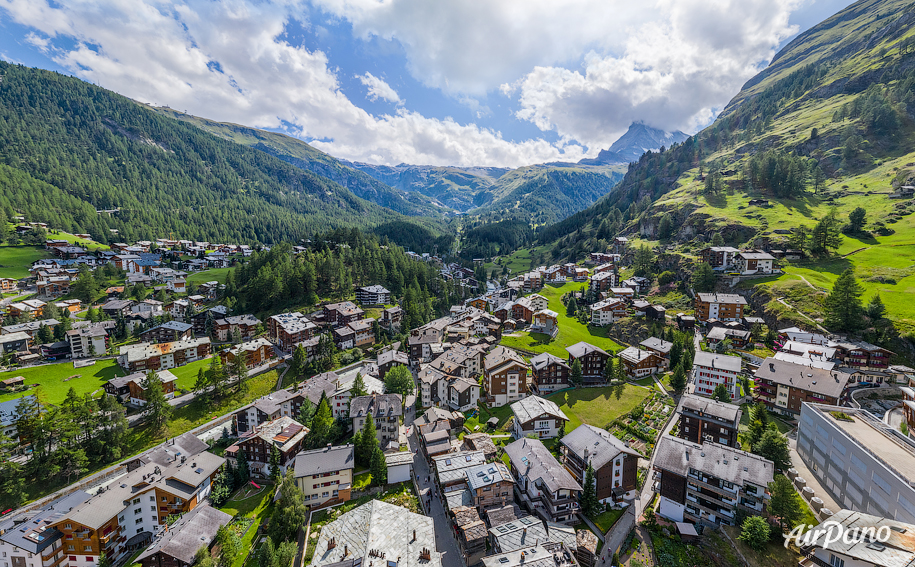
x=257, y=506
x=81, y=242
x=216, y=274
x=605, y=520
x=483, y=415
x=598, y=406
x=54, y=379
x=570, y=330
x=362, y=480
x=773, y=555
x=187, y=374
x=15, y=261
x=519, y=261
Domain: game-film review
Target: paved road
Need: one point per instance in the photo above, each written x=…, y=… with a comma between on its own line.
x=444, y=535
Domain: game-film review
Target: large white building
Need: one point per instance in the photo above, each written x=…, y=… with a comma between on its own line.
x=710, y=370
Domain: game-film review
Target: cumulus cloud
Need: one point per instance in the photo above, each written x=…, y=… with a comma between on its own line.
x=378, y=88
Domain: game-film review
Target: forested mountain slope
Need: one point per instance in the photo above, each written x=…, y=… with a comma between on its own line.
x=69, y=148
x=302, y=155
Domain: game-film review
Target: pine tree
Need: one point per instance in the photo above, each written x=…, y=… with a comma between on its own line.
x=239, y=371
x=774, y=446
x=299, y=363
x=590, y=505
x=785, y=503
x=721, y=394
x=619, y=371
x=367, y=442
x=678, y=380
x=608, y=373
x=575, y=374
x=379, y=467
x=358, y=388
x=703, y=278
x=275, y=473
x=843, y=304
x=306, y=413
x=322, y=426
x=158, y=411
x=242, y=470
x=291, y=511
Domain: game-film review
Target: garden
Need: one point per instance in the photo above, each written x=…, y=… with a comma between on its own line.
x=640, y=427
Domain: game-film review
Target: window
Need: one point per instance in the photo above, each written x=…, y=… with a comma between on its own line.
x=68, y=527
x=138, y=521
x=137, y=511
x=87, y=548
x=152, y=508
x=136, y=500
x=71, y=548
x=90, y=559
x=836, y=561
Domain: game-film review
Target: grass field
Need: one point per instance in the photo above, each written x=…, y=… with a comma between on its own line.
x=518, y=261
x=82, y=242
x=605, y=520
x=187, y=374
x=258, y=506
x=216, y=274
x=15, y=261
x=570, y=330
x=598, y=406
x=53, y=383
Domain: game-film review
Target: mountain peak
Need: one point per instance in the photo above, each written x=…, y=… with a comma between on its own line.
x=638, y=139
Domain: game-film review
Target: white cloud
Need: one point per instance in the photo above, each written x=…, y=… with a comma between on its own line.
x=378, y=88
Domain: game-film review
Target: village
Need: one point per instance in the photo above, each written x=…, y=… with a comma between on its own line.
x=520, y=427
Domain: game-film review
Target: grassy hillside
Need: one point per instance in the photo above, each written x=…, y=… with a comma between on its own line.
x=302, y=155
x=829, y=126
x=69, y=148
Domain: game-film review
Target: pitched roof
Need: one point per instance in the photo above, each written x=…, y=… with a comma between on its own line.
x=325, y=459
x=600, y=445
x=635, y=355
x=531, y=407
x=379, y=405
x=192, y=531
x=733, y=465
x=531, y=458
x=581, y=349
x=802, y=376
x=714, y=408
x=719, y=361
x=487, y=474
x=729, y=298
x=897, y=551
x=546, y=359
x=657, y=344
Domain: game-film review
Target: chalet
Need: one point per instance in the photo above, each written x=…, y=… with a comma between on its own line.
x=603, y=281
x=30, y=327
x=490, y=484
x=145, y=356
x=523, y=310
x=344, y=337
x=178, y=545
x=343, y=313
x=660, y=348
x=686, y=323
x=256, y=352
x=537, y=416
x=637, y=283
x=738, y=338
x=546, y=322
x=391, y=318
x=549, y=373
x=801, y=336
x=8, y=284
x=176, y=286
x=639, y=363
x=751, y=263
x=598, y=258
x=608, y=311
x=721, y=306
x=15, y=342
x=504, y=376
x=69, y=305
x=288, y=329
x=131, y=388
x=117, y=307
x=246, y=325
x=615, y=464
x=30, y=308
x=622, y=293
x=284, y=434
x=544, y=486
x=862, y=355
x=274, y=405
x=363, y=335
x=373, y=295
x=54, y=286
x=705, y=420
x=592, y=360
x=656, y=313
x=386, y=410
x=205, y=320
x=168, y=332
x=784, y=386
x=620, y=245
x=719, y=257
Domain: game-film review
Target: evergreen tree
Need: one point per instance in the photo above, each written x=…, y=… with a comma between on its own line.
x=367, y=442
x=571, y=307
x=876, y=310
x=721, y=394
x=358, y=388
x=306, y=413
x=275, y=474
x=298, y=364
x=217, y=378
x=642, y=262
x=826, y=235
x=44, y=335
x=755, y=532
x=239, y=371
x=242, y=470
x=620, y=374
x=843, y=304
x=774, y=446
x=717, y=239
x=379, y=468
x=608, y=373
x=158, y=411
x=856, y=220
x=575, y=374
x=678, y=380
x=228, y=546
x=590, y=505
x=785, y=503
x=399, y=380
x=322, y=426
x=703, y=278
x=291, y=511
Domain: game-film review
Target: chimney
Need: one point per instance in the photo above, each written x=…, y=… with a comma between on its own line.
x=331, y=543
x=414, y=537
x=345, y=550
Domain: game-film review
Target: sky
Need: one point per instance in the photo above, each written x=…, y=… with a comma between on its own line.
x=431, y=82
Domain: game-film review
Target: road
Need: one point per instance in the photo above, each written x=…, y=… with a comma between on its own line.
x=444, y=535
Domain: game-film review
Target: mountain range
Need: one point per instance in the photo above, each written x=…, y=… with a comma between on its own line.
x=637, y=140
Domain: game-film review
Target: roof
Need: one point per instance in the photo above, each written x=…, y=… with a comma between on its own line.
x=487, y=474
x=707, y=406
x=31, y=530
x=722, y=333
x=142, y=351
x=325, y=383
x=250, y=346
x=500, y=356
x=283, y=432
x=326, y=459
x=434, y=414
x=546, y=359
x=379, y=405
x=897, y=551
x=173, y=326
x=657, y=344
x=246, y=319
x=399, y=458
x=15, y=337
x=503, y=515
x=730, y=298
x=718, y=361
x=756, y=256
x=531, y=407
x=273, y=401
x=164, y=376
x=600, y=446
x=378, y=527
x=374, y=289
x=581, y=349
x=391, y=356
x=733, y=465
x=531, y=458
x=549, y=555
x=635, y=355
x=192, y=531
x=804, y=377
x=450, y=467
x=524, y=532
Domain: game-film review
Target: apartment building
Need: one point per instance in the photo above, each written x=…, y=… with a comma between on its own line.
x=255, y=353
x=164, y=356
x=897, y=550
x=373, y=295
x=537, y=416
x=168, y=332
x=549, y=373
x=709, y=482
x=390, y=359
x=722, y=257
x=325, y=475
x=246, y=325
x=604, y=280
x=284, y=433
x=592, y=360
x=504, y=376
x=863, y=463
x=289, y=329
x=660, y=348
x=711, y=370
x=862, y=355
x=615, y=464
x=131, y=388
x=608, y=311
x=385, y=409
x=27, y=540
x=785, y=386
x=204, y=320
x=753, y=263
x=542, y=485
x=274, y=405
x=343, y=313
x=704, y=420
x=177, y=545
x=720, y=306
x=30, y=308
x=88, y=341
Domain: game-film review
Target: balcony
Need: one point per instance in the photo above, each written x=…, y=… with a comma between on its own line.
x=713, y=498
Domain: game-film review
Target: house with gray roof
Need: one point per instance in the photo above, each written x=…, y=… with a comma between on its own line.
x=375, y=532
x=710, y=482
x=386, y=411
x=550, y=554
x=537, y=416
x=615, y=464
x=325, y=475
x=543, y=485
x=177, y=545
